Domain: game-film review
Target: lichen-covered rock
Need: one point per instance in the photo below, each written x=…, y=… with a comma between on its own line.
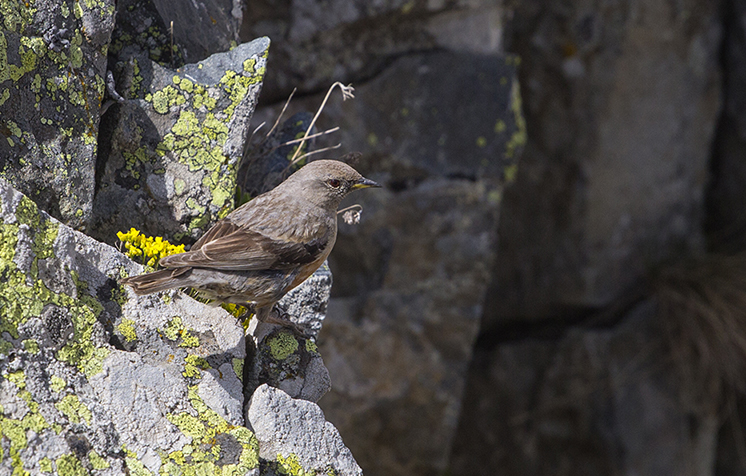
x=52, y=82
x=172, y=148
x=294, y=438
x=94, y=378
x=283, y=359
x=195, y=30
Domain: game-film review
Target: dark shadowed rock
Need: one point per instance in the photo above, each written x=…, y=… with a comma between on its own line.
x=593, y=401
x=316, y=44
x=52, y=71
x=621, y=104
x=174, y=33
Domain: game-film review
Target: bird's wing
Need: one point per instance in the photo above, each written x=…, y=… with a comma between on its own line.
x=247, y=250
x=220, y=229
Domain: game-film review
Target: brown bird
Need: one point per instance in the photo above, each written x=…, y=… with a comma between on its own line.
x=267, y=246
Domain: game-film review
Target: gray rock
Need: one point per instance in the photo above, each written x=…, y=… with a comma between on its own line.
x=173, y=147
x=410, y=278
x=307, y=37
x=306, y=304
x=95, y=378
x=175, y=33
x=285, y=360
x=52, y=70
x=610, y=400
x=295, y=433
x=613, y=178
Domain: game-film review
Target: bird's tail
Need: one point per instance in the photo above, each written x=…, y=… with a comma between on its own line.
x=157, y=281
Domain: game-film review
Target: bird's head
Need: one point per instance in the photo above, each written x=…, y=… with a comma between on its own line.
x=327, y=182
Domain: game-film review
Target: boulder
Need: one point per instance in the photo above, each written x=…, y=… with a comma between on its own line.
x=95, y=378
x=606, y=400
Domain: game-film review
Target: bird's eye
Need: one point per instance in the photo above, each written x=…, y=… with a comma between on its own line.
x=334, y=183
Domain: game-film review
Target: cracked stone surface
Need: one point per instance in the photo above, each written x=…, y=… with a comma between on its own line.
x=171, y=150
x=93, y=377
x=52, y=71
x=294, y=432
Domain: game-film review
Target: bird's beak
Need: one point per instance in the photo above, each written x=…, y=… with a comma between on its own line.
x=365, y=183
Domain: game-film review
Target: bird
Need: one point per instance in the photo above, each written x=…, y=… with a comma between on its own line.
x=265, y=247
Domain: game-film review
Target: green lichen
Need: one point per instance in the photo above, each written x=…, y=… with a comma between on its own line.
x=282, y=345
x=57, y=384
x=291, y=466
x=134, y=465
x=45, y=465
x=175, y=329
x=311, y=346
x=202, y=455
x=97, y=462
x=192, y=366
x=127, y=329
x=69, y=465
x=74, y=409
x=30, y=345
x=510, y=173
x=519, y=137
x=238, y=368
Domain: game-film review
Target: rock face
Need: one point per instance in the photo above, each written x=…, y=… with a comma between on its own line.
x=410, y=278
x=174, y=33
x=171, y=151
x=307, y=37
x=52, y=82
x=602, y=401
x=613, y=177
x=94, y=378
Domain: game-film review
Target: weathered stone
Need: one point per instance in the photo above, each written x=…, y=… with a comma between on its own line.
x=307, y=37
x=410, y=278
x=52, y=70
x=621, y=104
x=282, y=359
x=173, y=147
x=174, y=33
x=594, y=401
x=296, y=435
x=95, y=378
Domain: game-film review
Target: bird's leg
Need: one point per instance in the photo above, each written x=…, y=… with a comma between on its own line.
x=266, y=314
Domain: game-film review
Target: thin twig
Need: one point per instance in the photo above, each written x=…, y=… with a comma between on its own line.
x=357, y=205
x=255, y=131
x=308, y=154
x=312, y=136
x=346, y=94
x=279, y=117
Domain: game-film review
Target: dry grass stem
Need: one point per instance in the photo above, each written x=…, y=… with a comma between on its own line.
x=346, y=94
